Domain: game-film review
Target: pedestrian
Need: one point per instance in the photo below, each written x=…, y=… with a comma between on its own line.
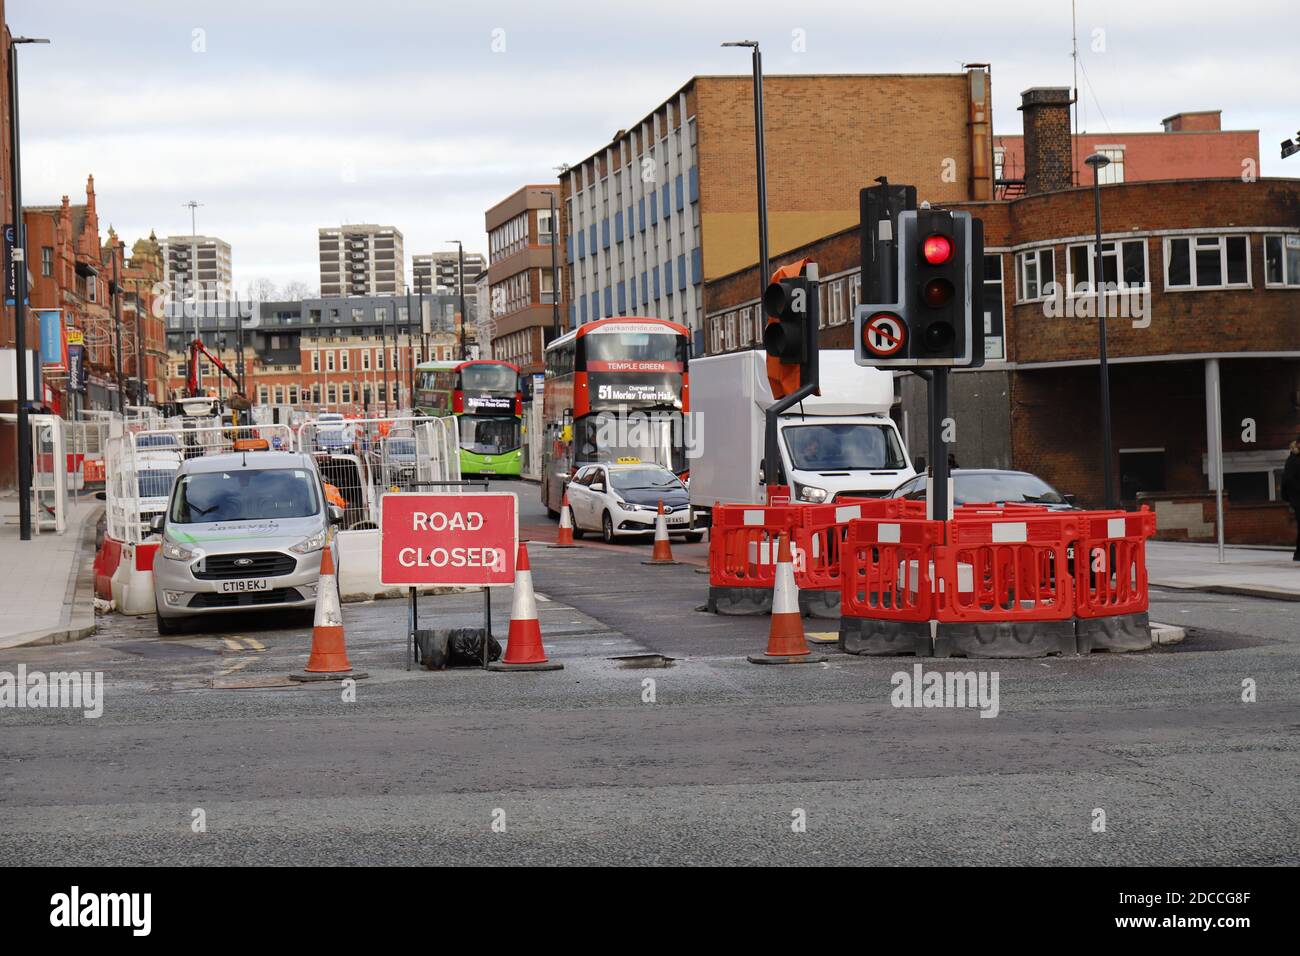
x=1291, y=489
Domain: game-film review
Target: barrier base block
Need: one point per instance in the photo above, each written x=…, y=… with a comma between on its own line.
x=820, y=604
x=539, y=666
x=795, y=659
x=311, y=678
x=870, y=637
x=1005, y=639
x=1119, y=634
x=739, y=602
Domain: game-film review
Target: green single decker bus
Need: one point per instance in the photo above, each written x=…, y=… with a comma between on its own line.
x=484, y=397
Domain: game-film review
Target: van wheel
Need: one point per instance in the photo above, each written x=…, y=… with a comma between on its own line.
x=607, y=528
x=167, y=626
x=695, y=537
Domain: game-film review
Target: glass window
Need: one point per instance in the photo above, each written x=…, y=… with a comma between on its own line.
x=1114, y=171
x=1207, y=262
x=244, y=495
x=842, y=447
x=1282, y=260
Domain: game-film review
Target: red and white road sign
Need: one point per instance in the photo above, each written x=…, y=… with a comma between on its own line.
x=884, y=335
x=448, y=539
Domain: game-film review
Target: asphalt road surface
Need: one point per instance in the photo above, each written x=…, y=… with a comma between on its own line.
x=716, y=761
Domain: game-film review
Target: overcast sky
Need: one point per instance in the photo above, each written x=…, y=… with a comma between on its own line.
x=283, y=116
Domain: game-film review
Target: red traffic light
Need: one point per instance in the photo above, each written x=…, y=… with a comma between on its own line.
x=937, y=249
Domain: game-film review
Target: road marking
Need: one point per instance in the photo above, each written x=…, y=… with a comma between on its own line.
x=232, y=645
x=254, y=643
x=237, y=665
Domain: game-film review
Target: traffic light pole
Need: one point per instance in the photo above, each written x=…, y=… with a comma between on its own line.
x=937, y=485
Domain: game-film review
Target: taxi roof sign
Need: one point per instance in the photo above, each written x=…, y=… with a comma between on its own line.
x=628, y=460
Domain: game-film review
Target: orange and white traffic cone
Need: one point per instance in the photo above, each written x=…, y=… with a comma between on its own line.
x=329, y=652
x=564, y=539
x=785, y=641
x=524, y=651
x=663, y=552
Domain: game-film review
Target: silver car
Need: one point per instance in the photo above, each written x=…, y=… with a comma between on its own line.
x=242, y=531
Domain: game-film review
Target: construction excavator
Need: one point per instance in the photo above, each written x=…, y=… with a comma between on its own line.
x=238, y=401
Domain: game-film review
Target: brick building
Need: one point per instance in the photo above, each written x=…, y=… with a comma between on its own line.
x=522, y=295
x=1209, y=292
x=669, y=203
x=1190, y=145
x=346, y=354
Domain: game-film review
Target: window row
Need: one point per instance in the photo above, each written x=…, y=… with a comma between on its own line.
x=1190, y=263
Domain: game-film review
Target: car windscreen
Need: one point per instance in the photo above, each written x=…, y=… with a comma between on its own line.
x=154, y=483
x=400, y=448
x=843, y=447
x=156, y=441
x=644, y=478
x=1003, y=487
x=244, y=495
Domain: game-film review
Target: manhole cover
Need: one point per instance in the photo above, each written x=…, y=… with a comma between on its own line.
x=635, y=661
x=163, y=650
x=252, y=683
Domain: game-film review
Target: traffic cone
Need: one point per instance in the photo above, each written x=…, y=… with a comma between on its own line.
x=564, y=539
x=329, y=653
x=524, y=651
x=663, y=552
x=785, y=641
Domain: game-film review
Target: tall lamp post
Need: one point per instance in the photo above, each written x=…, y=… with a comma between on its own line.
x=555, y=271
x=24, y=438
x=760, y=159
x=460, y=282
x=1098, y=162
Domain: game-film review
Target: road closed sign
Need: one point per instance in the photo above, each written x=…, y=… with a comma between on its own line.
x=468, y=539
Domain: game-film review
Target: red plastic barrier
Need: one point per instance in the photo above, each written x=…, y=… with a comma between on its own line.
x=144, y=554
x=1006, y=568
x=1110, y=566
x=742, y=543
x=106, y=563
x=887, y=568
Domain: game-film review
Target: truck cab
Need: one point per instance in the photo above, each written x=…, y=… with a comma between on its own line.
x=840, y=444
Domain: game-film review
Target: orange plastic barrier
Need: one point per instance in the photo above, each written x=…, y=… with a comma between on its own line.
x=1007, y=568
x=888, y=569
x=1110, y=566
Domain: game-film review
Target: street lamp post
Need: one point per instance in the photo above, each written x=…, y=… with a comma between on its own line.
x=555, y=272
x=759, y=158
x=1098, y=162
x=460, y=282
x=24, y=438
x=117, y=333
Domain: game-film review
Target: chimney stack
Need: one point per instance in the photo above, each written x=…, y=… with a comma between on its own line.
x=1048, y=143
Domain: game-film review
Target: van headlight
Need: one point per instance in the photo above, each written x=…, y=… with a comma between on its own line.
x=308, y=545
x=811, y=493
x=175, y=551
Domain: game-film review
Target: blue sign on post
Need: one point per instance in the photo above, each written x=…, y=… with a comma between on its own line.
x=11, y=277
x=76, y=368
x=51, y=338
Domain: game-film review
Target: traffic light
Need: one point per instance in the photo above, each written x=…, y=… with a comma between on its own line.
x=936, y=317
x=790, y=336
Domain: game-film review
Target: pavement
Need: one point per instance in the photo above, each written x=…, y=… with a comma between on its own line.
x=1257, y=571
x=692, y=756
x=47, y=585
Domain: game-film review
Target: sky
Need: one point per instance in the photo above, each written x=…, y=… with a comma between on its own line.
x=285, y=116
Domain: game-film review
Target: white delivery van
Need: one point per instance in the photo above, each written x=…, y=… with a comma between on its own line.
x=839, y=444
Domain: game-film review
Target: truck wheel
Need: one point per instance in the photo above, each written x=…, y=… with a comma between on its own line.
x=606, y=528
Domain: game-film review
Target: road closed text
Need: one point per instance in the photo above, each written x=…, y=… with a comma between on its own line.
x=448, y=539
x=493, y=559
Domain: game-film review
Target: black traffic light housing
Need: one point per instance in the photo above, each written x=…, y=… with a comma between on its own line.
x=791, y=303
x=937, y=316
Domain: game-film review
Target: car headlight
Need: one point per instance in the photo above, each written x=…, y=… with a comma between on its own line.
x=308, y=545
x=175, y=551
x=812, y=493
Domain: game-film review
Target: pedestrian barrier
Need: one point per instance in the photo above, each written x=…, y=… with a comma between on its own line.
x=996, y=582
x=742, y=551
x=1110, y=581
x=1017, y=596
x=888, y=589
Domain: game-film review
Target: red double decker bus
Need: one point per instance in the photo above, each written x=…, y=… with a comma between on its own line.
x=615, y=389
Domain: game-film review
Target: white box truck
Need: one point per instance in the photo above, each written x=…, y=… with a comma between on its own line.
x=841, y=443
